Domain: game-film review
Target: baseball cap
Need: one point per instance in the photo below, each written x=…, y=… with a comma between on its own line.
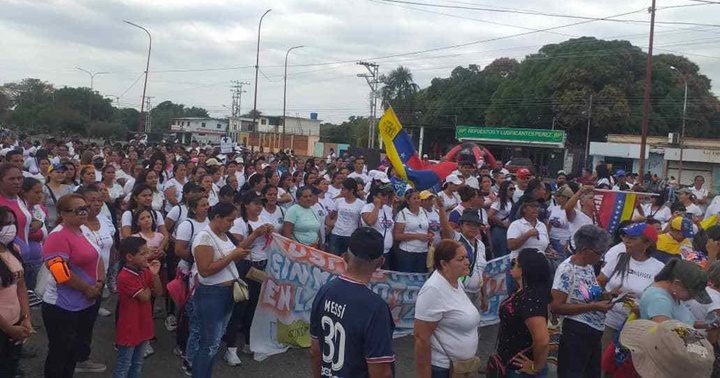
x=470, y=216
x=523, y=173
x=684, y=225
x=57, y=167
x=366, y=243
x=98, y=158
x=425, y=194
x=561, y=173
x=620, y=173
x=454, y=179
x=693, y=278
x=565, y=191
x=239, y=160
x=211, y=162
x=667, y=350
x=641, y=229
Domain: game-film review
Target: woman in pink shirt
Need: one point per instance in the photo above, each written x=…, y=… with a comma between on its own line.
x=11, y=179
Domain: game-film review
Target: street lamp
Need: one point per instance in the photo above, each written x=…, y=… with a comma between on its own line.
x=141, y=124
x=257, y=68
x=682, y=130
x=92, y=85
x=282, y=145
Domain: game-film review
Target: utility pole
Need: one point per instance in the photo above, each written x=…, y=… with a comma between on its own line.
x=682, y=130
x=587, y=132
x=646, y=94
x=373, y=80
x=92, y=88
x=148, y=118
x=237, y=91
x=147, y=69
x=282, y=144
x=257, y=68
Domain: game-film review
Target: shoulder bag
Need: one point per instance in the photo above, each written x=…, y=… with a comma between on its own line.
x=462, y=368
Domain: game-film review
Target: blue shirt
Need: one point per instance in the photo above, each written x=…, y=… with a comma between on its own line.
x=353, y=326
x=658, y=302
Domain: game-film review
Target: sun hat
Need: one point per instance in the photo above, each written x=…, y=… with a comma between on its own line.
x=693, y=278
x=453, y=179
x=667, y=350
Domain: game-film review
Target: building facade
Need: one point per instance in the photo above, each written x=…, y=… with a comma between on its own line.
x=203, y=130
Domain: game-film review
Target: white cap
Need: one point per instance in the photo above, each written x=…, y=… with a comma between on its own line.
x=382, y=177
x=454, y=179
x=212, y=161
x=239, y=160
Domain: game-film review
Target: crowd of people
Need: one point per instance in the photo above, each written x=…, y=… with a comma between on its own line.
x=184, y=232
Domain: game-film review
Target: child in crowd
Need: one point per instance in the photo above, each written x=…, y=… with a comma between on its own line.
x=137, y=282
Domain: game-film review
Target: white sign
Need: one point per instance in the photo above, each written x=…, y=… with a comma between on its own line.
x=227, y=146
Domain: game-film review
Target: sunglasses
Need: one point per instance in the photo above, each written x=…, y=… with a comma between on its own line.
x=511, y=189
x=82, y=210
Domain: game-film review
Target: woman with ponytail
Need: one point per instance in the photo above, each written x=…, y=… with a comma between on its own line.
x=347, y=209
x=615, y=276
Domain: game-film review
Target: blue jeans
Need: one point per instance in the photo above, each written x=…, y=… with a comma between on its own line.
x=411, y=262
x=338, y=244
x=517, y=374
x=214, y=304
x=129, y=361
x=193, y=341
x=498, y=235
x=438, y=372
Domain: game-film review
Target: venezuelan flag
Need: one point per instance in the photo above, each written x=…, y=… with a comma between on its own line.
x=403, y=157
x=615, y=207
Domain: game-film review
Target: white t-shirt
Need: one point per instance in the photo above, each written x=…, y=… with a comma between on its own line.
x=694, y=210
x=559, y=226
x=348, y=217
x=521, y=226
x=103, y=238
x=713, y=208
x=449, y=201
x=456, y=316
x=639, y=275
x=332, y=192
x=220, y=249
x=258, y=250
x=614, y=251
x=663, y=214
x=502, y=214
x=414, y=224
x=186, y=231
x=129, y=184
x=517, y=193
x=240, y=178
x=702, y=311
x=115, y=191
x=474, y=282
x=276, y=218
x=581, y=219
x=383, y=225
x=126, y=220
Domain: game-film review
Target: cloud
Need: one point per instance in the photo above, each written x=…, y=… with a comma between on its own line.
x=200, y=46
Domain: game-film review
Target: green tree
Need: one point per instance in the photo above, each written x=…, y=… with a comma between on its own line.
x=399, y=91
x=354, y=131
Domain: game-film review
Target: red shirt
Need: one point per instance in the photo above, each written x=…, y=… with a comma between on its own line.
x=135, y=320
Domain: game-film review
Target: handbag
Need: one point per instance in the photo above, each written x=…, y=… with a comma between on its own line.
x=241, y=293
x=466, y=368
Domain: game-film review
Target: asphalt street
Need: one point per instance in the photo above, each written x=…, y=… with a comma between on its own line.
x=294, y=363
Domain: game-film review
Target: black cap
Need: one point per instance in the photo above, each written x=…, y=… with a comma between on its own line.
x=366, y=243
x=470, y=216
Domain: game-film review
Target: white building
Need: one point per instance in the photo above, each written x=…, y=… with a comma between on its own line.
x=203, y=130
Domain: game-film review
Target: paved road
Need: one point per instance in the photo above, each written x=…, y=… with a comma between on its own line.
x=294, y=363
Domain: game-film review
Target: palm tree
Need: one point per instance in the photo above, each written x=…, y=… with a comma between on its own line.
x=399, y=91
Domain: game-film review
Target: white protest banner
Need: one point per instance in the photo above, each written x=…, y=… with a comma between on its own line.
x=295, y=274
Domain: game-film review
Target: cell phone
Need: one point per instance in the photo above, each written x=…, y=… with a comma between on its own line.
x=619, y=298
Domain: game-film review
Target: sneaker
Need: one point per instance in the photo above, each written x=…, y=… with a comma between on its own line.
x=90, y=366
x=171, y=323
x=102, y=311
x=33, y=299
x=232, y=358
x=246, y=349
x=187, y=369
x=149, y=351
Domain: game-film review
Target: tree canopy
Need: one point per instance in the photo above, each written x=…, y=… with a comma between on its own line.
x=553, y=88
x=35, y=106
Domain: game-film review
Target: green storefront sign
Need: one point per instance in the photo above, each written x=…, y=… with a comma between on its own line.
x=506, y=135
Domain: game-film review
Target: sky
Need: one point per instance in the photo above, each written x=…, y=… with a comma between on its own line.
x=199, y=47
